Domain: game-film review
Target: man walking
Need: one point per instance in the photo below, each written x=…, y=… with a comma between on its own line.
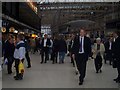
x=81, y=51
x=19, y=55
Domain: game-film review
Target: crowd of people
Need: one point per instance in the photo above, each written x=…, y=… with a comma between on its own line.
x=80, y=48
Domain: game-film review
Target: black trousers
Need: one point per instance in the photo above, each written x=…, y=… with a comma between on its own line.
x=98, y=63
x=44, y=53
x=28, y=58
x=118, y=68
x=54, y=56
x=9, y=65
x=81, y=61
x=17, y=61
x=109, y=56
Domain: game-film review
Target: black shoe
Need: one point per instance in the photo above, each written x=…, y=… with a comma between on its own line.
x=29, y=67
x=80, y=83
x=62, y=61
x=115, y=79
x=100, y=71
x=76, y=73
x=41, y=62
x=96, y=71
x=15, y=76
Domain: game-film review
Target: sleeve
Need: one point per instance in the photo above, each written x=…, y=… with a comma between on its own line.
x=89, y=46
x=21, y=53
x=73, y=50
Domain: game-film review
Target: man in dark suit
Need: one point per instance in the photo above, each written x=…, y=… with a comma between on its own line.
x=116, y=51
x=81, y=51
x=45, y=44
x=109, y=50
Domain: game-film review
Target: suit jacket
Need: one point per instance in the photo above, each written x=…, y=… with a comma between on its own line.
x=87, y=46
x=48, y=43
x=107, y=45
x=116, y=48
x=95, y=51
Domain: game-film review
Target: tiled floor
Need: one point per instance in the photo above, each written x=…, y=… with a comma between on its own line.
x=60, y=76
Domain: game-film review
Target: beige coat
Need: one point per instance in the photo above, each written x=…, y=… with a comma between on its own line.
x=95, y=51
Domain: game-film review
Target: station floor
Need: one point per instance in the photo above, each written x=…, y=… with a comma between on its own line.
x=60, y=76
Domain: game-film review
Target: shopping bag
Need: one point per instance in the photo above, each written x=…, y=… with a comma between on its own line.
x=21, y=68
x=6, y=61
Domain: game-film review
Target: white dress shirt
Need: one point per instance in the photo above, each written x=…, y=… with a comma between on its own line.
x=51, y=43
x=82, y=45
x=110, y=47
x=19, y=53
x=45, y=40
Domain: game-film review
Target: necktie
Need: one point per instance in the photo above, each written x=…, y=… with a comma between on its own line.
x=81, y=45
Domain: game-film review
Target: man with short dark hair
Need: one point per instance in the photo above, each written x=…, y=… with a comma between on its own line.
x=8, y=52
x=45, y=44
x=19, y=55
x=116, y=51
x=81, y=51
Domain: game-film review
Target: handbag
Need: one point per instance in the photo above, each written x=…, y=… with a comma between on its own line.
x=21, y=68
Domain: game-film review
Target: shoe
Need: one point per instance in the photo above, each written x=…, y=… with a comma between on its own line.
x=80, y=83
x=76, y=73
x=100, y=71
x=15, y=76
x=115, y=79
x=29, y=67
x=41, y=62
x=96, y=71
x=118, y=81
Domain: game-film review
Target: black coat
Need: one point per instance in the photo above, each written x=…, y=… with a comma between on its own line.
x=116, y=48
x=87, y=46
x=107, y=45
x=55, y=47
x=48, y=43
x=8, y=49
x=62, y=46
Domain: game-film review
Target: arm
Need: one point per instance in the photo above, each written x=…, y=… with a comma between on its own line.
x=89, y=47
x=21, y=53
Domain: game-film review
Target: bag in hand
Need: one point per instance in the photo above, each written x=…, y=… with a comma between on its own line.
x=21, y=68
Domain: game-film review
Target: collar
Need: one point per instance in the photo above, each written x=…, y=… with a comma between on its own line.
x=20, y=42
x=82, y=37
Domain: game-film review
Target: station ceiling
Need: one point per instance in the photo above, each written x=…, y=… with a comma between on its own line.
x=57, y=14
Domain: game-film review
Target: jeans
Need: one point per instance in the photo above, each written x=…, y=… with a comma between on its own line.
x=61, y=57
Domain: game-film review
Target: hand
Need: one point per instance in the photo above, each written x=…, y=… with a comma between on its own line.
x=73, y=56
